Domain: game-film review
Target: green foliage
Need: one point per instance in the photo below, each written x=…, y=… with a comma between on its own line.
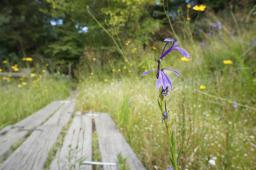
x=122, y=162
x=22, y=100
x=206, y=124
x=68, y=46
x=23, y=26
x=26, y=30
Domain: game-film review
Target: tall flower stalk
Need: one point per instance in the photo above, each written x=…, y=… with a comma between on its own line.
x=164, y=84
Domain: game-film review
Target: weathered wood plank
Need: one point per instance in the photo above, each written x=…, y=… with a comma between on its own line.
x=15, y=133
x=112, y=143
x=77, y=146
x=33, y=153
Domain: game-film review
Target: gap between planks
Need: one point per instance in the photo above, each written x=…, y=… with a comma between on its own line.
x=76, y=150
x=77, y=146
x=112, y=144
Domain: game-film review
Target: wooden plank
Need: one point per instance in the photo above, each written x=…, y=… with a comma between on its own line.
x=17, y=132
x=112, y=143
x=33, y=153
x=98, y=163
x=77, y=146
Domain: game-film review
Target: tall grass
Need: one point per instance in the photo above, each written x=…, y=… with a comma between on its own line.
x=214, y=127
x=20, y=99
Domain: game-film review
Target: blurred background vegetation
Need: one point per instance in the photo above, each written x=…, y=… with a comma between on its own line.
x=74, y=37
x=104, y=46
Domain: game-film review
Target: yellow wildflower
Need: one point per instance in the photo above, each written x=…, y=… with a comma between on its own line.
x=19, y=85
x=188, y=6
x=1, y=70
x=202, y=87
x=188, y=18
x=24, y=83
x=15, y=68
x=227, y=62
x=27, y=59
x=43, y=71
x=127, y=42
x=113, y=70
x=32, y=75
x=184, y=59
x=119, y=70
x=199, y=8
x=5, y=62
x=154, y=48
x=6, y=79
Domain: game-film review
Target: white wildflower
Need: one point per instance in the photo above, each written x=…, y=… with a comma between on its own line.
x=212, y=161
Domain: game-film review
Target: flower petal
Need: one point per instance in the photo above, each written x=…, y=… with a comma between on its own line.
x=176, y=47
x=176, y=72
x=170, y=168
x=164, y=82
x=182, y=51
x=167, y=81
x=147, y=72
x=167, y=40
x=159, y=81
x=175, y=44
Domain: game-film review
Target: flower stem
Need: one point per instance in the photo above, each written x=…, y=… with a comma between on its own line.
x=171, y=143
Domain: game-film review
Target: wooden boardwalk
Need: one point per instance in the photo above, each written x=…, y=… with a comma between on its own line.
x=58, y=138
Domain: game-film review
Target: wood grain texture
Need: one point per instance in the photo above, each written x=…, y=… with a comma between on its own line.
x=77, y=146
x=112, y=143
x=17, y=132
x=33, y=153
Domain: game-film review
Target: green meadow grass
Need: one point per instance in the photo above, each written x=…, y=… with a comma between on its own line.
x=20, y=100
x=208, y=127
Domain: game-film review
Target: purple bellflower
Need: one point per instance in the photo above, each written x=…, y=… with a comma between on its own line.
x=165, y=114
x=164, y=84
x=170, y=168
x=163, y=79
x=216, y=25
x=235, y=105
x=174, y=47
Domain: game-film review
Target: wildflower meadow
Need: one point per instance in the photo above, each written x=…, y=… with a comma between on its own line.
x=178, y=78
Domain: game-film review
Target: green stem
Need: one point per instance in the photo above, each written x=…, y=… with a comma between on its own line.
x=170, y=23
x=171, y=143
x=225, y=100
x=108, y=33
